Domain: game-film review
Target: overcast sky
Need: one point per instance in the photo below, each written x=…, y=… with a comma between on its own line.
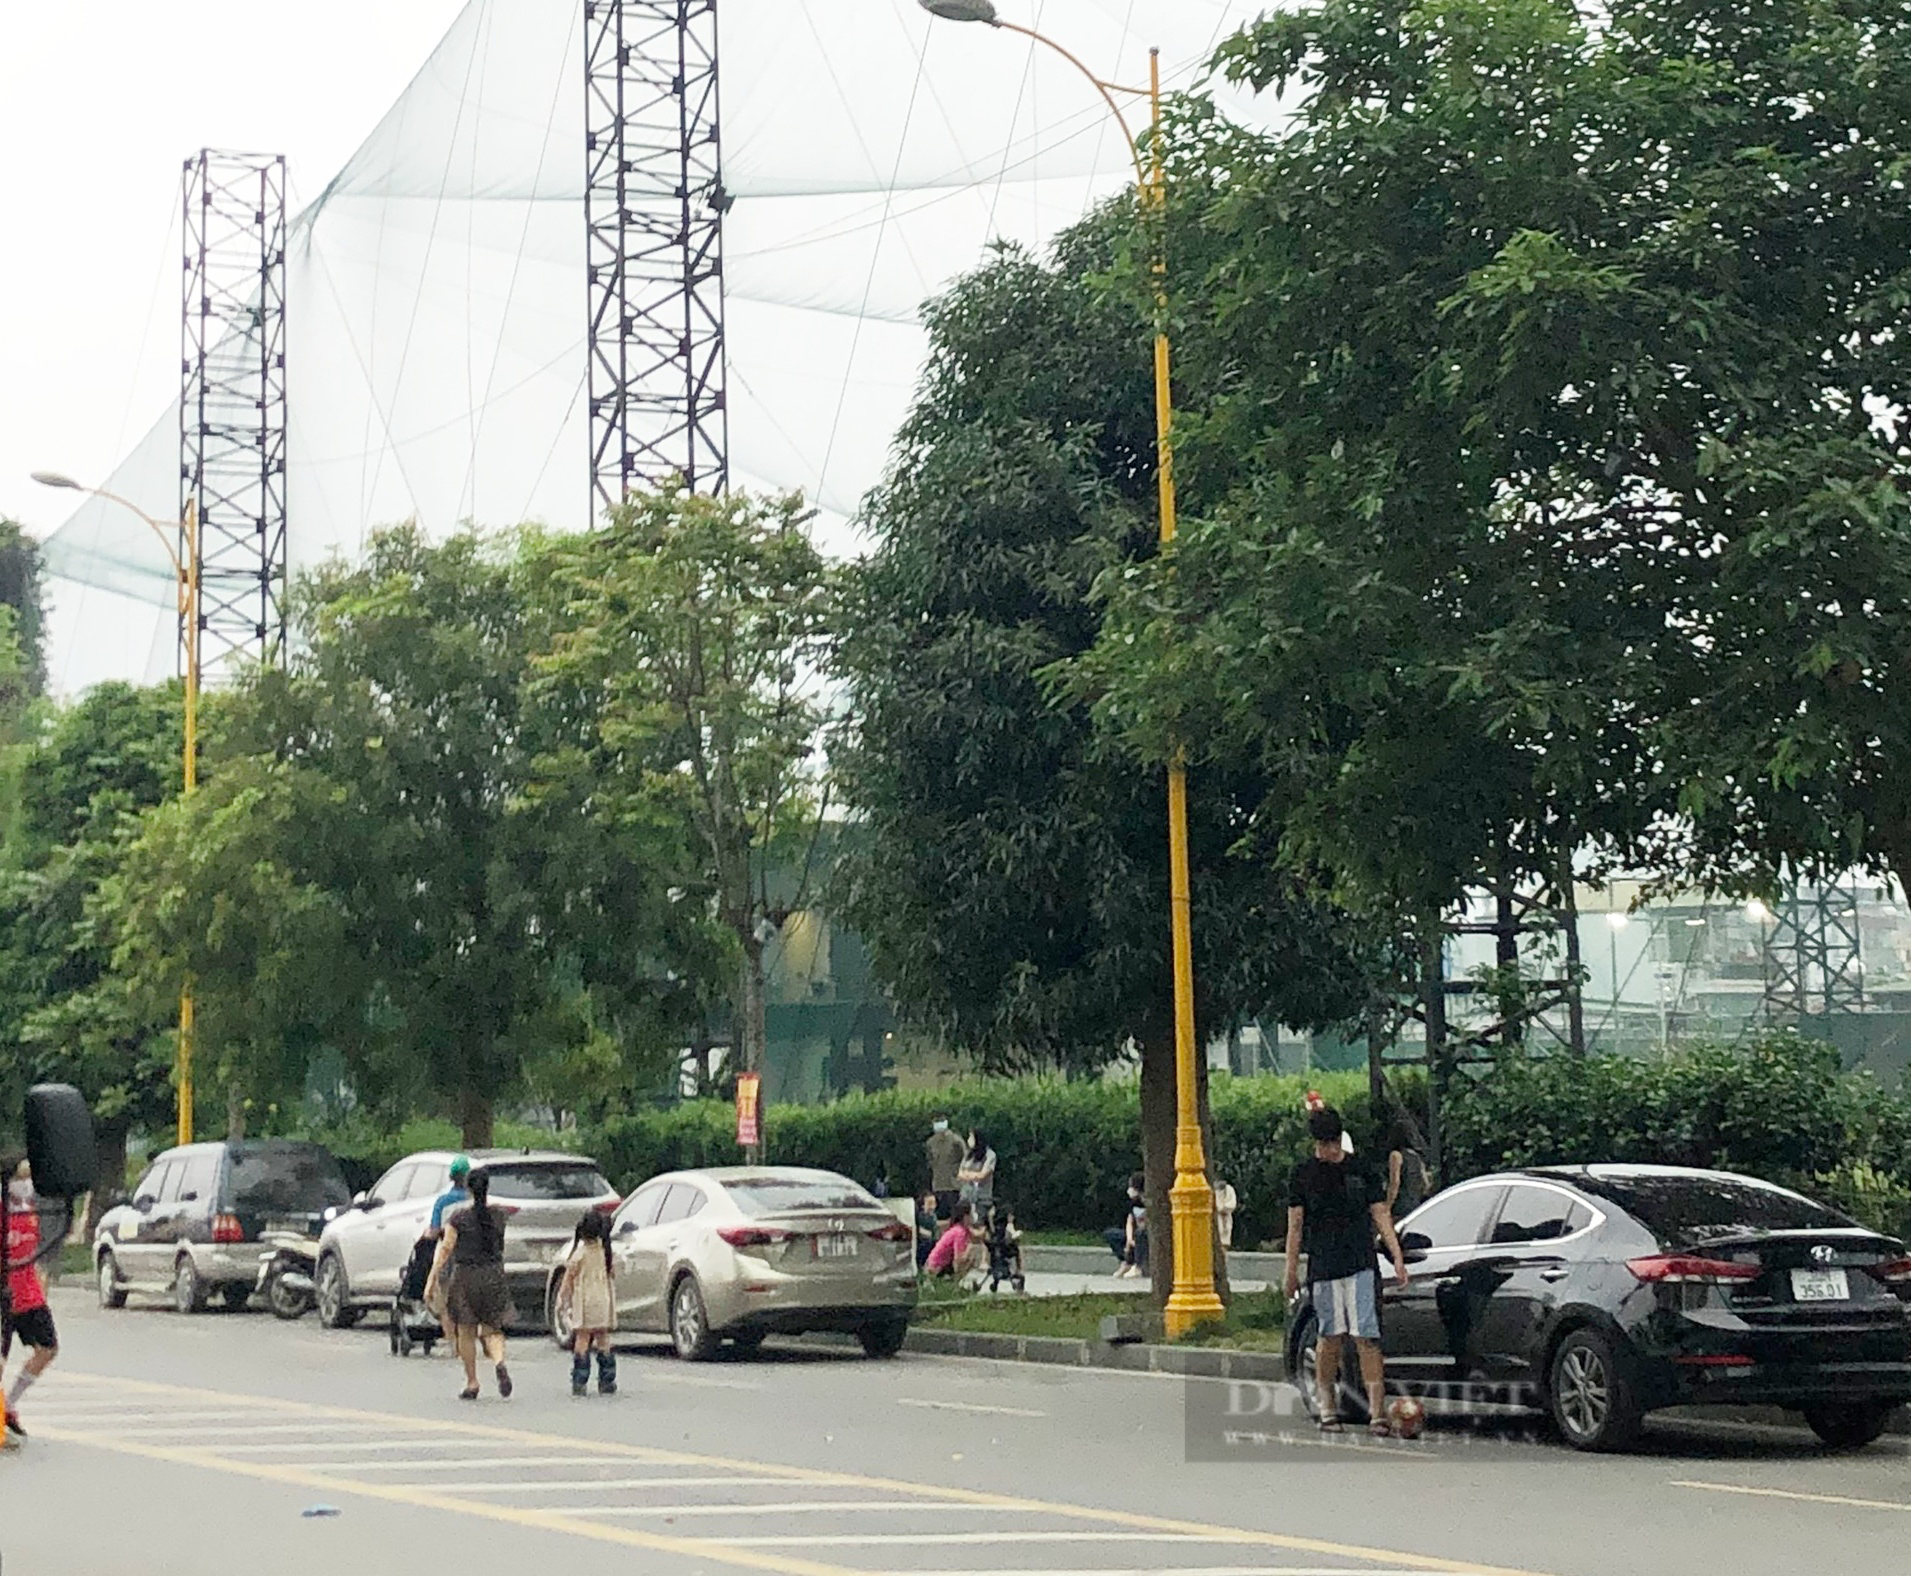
x=100, y=104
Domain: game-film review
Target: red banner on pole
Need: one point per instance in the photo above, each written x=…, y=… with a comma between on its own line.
x=749, y=1128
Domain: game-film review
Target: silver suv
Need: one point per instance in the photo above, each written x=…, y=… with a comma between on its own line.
x=542, y=1193
x=195, y=1219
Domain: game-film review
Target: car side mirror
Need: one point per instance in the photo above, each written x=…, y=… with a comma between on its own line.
x=1416, y=1242
x=144, y=1202
x=189, y=1198
x=371, y=1203
x=628, y=1228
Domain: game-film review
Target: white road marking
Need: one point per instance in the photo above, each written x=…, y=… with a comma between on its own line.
x=463, y=1463
x=551, y=1486
x=1786, y=1493
x=164, y=1431
x=63, y=1414
x=778, y=1507
x=965, y=1406
x=1169, y=1570
x=966, y=1535
x=701, y=1381
x=450, y=1442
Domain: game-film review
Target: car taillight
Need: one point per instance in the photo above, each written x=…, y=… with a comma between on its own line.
x=1677, y=1269
x=895, y=1231
x=1894, y=1272
x=609, y=1206
x=751, y=1236
x=226, y=1228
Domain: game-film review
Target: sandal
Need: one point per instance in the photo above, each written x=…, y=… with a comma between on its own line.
x=1330, y=1424
x=1380, y=1428
x=468, y=1395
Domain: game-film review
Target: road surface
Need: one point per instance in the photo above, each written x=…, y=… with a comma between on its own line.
x=162, y=1443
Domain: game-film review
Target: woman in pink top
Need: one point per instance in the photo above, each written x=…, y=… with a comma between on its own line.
x=957, y=1250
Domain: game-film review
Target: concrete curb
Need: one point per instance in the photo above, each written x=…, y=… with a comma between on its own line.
x=1199, y=1362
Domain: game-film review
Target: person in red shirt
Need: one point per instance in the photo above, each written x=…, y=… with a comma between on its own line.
x=28, y=1316
x=958, y=1250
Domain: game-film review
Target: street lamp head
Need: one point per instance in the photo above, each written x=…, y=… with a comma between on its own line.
x=55, y=479
x=962, y=10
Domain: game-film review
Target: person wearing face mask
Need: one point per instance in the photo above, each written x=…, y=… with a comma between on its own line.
x=946, y=1152
x=1129, y=1241
x=28, y=1317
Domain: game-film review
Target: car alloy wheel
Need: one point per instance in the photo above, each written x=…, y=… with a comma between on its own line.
x=112, y=1294
x=1308, y=1369
x=1590, y=1395
x=189, y=1295
x=1585, y=1392
x=334, y=1307
x=690, y=1323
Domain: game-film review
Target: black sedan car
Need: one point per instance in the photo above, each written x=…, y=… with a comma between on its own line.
x=1601, y=1293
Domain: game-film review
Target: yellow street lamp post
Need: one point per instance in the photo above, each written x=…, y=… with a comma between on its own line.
x=185, y=562
x=1193, y=1300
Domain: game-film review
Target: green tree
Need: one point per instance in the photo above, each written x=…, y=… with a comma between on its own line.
x=208, y=893
x=695, y=622
x=1012, y=882
x=1545, y=374
x=82, y=777
x=20, y=592
x=491, y=922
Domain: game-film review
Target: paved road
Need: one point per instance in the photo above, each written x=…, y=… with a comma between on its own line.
x=164, y=1443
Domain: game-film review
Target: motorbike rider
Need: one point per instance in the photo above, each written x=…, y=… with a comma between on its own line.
x=454, y=1197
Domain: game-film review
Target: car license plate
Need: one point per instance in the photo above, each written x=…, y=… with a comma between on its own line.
x=838, y=1246
x=1820, y=1286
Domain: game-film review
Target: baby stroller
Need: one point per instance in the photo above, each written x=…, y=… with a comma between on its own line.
x=412, y=1323
x=1005, y=1249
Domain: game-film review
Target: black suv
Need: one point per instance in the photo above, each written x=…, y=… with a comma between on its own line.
x=195, y=1219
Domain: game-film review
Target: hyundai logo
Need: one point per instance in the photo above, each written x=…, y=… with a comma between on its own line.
x=1823, y=1254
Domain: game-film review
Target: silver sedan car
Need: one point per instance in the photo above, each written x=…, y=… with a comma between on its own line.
x=740, y=1252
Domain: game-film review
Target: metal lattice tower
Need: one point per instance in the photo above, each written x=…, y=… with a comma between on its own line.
x=232, y=411
x=654, y=202
x=1814, y=957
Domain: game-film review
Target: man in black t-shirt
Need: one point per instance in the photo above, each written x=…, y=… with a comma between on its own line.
x=1334, y=1208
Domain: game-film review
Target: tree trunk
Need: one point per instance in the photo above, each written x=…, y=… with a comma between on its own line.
x=753, y=1030
x=235, y=1113
x=1205, y=1116
x=1157, y=1152
x=477, y=1119
x=109, y=1178
x=1159, y=1118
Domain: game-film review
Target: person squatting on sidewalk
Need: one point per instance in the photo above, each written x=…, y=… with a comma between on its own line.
x=588, y=1289
x=1335, y=1205
x=28, y=1318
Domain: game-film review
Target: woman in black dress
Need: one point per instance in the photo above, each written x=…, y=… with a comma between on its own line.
x=477, y=1296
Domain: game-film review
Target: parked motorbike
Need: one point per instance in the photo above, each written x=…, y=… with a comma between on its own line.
x=285, y=1273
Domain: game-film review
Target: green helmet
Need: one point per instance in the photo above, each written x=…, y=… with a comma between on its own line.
x=460, y=1167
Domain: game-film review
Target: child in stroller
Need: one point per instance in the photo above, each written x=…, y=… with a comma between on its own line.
x=412, y=1322
x=1004, y=1243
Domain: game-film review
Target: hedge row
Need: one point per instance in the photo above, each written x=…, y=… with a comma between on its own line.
x=1064, y=1151
x=1777, y=1108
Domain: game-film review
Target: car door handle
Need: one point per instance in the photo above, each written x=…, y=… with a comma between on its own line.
x=1554, y=1274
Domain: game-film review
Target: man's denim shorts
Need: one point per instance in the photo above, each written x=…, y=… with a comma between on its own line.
x=1349, y=1306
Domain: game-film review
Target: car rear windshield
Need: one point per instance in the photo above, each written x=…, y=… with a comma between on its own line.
x=547, y=1182
x=286, y=1179
x=779, y=1195
x=1686, y=1209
